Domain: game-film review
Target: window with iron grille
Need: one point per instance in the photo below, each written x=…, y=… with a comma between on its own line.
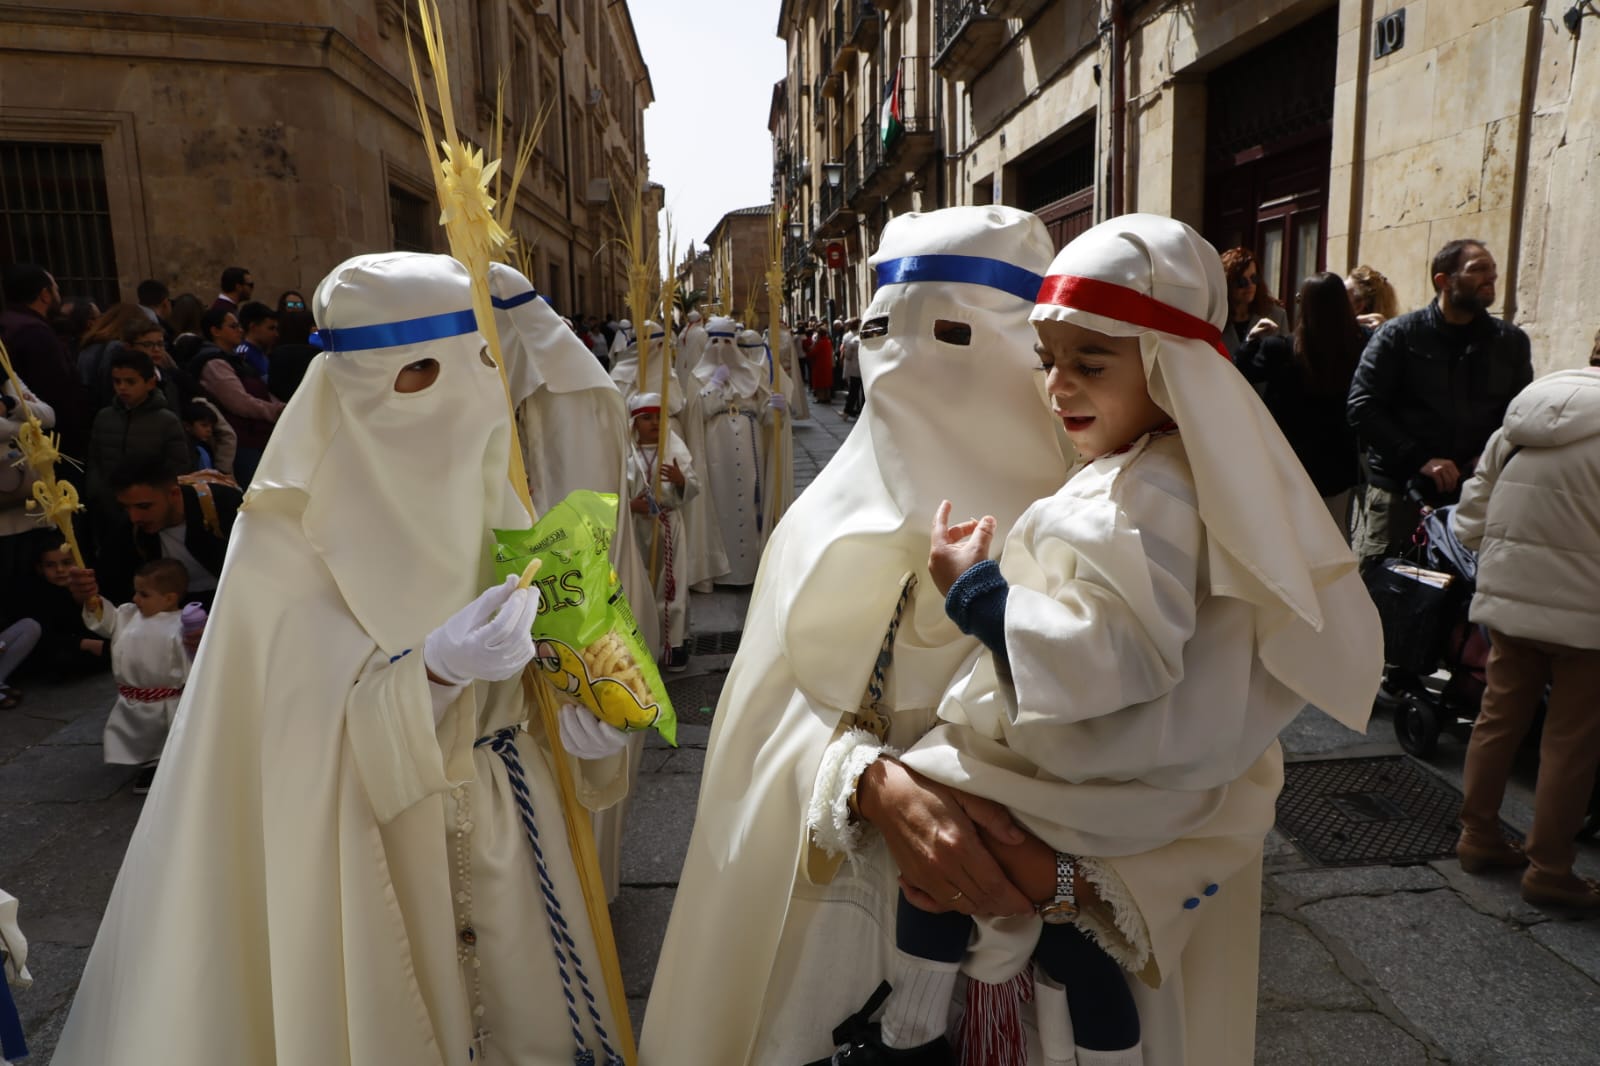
x=1065, y=168
x=54, y=212
x=410, y=217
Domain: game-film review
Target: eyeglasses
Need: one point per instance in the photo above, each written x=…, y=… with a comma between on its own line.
x=1242, y=282
x=150, y=346
x=294, y=305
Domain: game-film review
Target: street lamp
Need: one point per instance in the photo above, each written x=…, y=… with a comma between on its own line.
x=797, y=230
x=834, y=172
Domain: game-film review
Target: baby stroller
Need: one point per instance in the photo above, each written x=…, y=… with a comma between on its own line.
x=1434, y=658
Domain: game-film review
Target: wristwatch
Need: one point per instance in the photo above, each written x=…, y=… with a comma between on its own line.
x=1064, y=907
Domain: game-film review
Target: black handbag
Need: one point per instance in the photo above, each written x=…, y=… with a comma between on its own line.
x=1418, y=608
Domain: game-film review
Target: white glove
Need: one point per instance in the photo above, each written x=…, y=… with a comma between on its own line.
x=490, y=639
x=777, y=402
x=586, y=736
x=720, y=376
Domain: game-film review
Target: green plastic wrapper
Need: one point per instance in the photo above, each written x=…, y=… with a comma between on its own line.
x=586, y=639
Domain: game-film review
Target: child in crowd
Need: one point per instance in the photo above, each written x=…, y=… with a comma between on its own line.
x=138, y=425
x=67, y=649
x=1148, y=631
x=200, y=426
x=149, y=662
x=676, y=485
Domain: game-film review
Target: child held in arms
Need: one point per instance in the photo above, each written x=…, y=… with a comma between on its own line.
x=676, y=485
x=149, y=663
x=1147, y=631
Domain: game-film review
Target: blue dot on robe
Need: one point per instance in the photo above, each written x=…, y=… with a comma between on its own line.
x=1191, y=903
x=1211, y=890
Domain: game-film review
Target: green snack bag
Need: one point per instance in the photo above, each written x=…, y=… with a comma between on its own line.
x=586, y=639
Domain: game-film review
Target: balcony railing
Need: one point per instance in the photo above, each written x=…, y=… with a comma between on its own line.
x=966, y=37
x=832, y=199
x=902, y=138
x=852, y=170
x=861, y=25
x=871, y=150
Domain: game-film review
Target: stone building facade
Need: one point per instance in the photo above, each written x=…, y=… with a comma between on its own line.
x=1322, y=134
x=172, y=138
x=739, y=246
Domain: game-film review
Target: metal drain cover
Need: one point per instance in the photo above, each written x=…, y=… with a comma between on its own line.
x=714, y=643
x=1368, y=812
x=694, y=695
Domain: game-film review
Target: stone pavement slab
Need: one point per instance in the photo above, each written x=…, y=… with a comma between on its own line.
x=1489, y=993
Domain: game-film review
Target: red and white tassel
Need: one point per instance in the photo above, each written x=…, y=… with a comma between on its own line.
x=991, y=1030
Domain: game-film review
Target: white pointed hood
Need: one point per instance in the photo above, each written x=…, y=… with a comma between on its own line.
x=1271, y=540
x=941, y=420
x=426, y=471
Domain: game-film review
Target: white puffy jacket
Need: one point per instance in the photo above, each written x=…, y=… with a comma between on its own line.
x=1533, y=513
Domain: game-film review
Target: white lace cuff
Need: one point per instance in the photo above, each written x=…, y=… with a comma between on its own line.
x=1116, y=925
x=828, y=816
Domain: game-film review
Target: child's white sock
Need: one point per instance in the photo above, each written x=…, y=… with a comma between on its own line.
x=919, y=1008
x=1132, y=1056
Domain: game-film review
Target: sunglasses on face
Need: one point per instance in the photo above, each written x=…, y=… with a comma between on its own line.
x=294, y=305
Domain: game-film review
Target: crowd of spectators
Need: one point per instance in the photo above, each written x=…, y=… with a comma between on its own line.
x=163, y=405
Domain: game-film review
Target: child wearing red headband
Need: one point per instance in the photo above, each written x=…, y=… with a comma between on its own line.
x=1148, y=631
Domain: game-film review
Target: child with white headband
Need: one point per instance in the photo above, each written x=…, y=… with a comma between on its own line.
x=1148, y=631
x=658, y=526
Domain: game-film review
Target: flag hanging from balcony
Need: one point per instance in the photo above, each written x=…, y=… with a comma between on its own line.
x=891, y=121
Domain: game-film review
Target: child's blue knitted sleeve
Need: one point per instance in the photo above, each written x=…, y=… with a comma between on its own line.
x=977, y=605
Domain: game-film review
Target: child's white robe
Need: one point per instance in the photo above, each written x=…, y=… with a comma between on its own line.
x=145, y=653
x=671, y=543
x=292, y=892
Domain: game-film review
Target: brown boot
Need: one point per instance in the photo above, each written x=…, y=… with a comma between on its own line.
x=1571, y=891
x=1477, y=857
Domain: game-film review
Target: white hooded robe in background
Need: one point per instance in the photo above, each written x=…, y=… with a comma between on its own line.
x=705, y=556
x=690, y=347
x=733, y=395
x=766, y=949
x=314, y=847
x=787, y=349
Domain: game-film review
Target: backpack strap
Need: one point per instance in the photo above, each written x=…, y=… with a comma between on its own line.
x=208, y=508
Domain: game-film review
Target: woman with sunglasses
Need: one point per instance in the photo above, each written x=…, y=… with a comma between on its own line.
x=1252, y=310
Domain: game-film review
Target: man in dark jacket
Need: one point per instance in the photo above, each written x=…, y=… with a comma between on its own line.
x=40, y=359
x=189, y=523
x=1432, y=386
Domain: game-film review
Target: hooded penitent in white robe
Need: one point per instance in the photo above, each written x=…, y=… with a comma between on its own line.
x=787, y=349
x=573, y=424
x=733, y=395
x=777, y=434
x=705, y=556
x=660, y=535
x=147, y=660
x=321, y=874
x=620, y=339
x=766, y=950
x=690, y=347
x=1170, y=610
